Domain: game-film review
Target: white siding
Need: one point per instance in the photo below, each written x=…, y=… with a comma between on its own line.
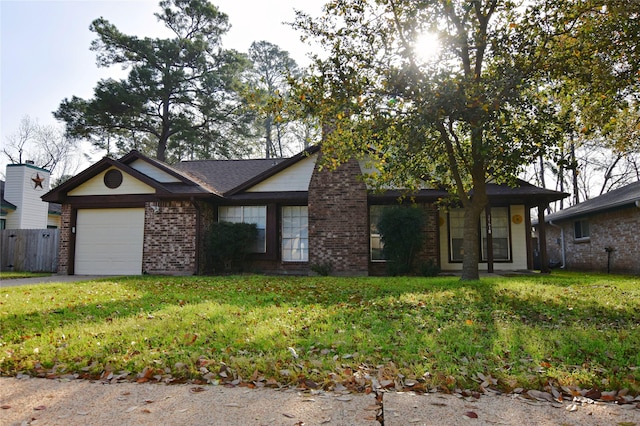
x=518, y=239
x=518, y=245
x=153, y=172
x=294, y=178
x=109, y=241
x=96, y=186
x=53, y=220
x=20, y=190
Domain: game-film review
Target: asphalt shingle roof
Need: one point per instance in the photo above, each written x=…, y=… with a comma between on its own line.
x=627, y=195
x=225, y=175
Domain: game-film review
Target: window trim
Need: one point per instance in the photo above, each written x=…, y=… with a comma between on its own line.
x=483, y=258
x=377, y=235
x=266, y=223
x=282, y=238
x=582, y=238
x=480, y=237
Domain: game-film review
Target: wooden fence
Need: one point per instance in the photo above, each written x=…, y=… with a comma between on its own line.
x=29, y=250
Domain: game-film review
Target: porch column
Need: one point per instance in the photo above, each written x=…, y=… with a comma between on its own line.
x=489, y=226
x=542, y=240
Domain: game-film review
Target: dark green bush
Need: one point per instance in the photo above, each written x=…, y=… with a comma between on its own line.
x=323, y=269
x=429, y=268
x=401, y=232
x=228, y=245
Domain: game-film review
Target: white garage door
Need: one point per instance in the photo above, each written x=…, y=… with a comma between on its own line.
x=109, y=241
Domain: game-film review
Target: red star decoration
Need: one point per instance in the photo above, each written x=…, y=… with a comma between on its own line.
x=37, y=181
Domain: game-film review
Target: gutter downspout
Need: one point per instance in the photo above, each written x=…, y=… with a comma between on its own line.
x=561, y=242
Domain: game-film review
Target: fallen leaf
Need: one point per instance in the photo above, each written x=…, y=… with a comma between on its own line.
x=40, y=407
x=373, y=407
x=5, y=407
x=197, y=389
x=131, y=409
x=289, y=416
x=540, y=396
x=344, y=398
x=471, y=415
x=232, y=404
x=572, y=407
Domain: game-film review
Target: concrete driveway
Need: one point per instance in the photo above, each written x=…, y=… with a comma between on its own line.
x=50, y=279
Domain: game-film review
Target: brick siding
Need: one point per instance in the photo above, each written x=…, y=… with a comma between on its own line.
x=338, y=220
x=170, y=238
x=65, y=238
x=616, y=229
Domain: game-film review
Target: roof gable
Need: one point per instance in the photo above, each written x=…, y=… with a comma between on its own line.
x=171, y=181
x=96, y=185
x=296, y=177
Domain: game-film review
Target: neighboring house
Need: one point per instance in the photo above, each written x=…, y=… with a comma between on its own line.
x=137, y=215
x=600, y=234
x=22, y=206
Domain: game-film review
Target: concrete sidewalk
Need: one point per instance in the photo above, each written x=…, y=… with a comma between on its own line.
x=50, y=279
x=80, y=402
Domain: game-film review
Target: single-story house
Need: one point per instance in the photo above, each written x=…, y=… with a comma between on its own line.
x=21, y=206
x=138, y=215
x=600, y=234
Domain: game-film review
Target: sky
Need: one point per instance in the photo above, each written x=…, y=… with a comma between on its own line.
x=45, y=56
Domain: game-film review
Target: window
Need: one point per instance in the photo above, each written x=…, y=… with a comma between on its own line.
x=295, y=234
x=581, y=229
x=248, y=214
x=376, y=245
x=456, y=234
x=3, y=223
x=499, y=233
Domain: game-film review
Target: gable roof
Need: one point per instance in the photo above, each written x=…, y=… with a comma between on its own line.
x=183, y=187
x=626, y=196
x=230, y=178
x=524, y=193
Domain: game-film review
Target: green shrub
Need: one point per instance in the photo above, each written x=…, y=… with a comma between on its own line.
x=429, y=268
x=401, y=232
x=228, y=245
x=323, y=269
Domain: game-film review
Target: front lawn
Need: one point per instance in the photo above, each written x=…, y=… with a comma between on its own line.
x=420, y=333
x=16, y=275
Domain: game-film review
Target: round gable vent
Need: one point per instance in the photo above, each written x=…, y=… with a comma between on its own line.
x=113, y=178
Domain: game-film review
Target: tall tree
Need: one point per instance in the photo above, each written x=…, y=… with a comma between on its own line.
x=180, y=94
x=45, y=145
x=470, y=114
x=269, y=85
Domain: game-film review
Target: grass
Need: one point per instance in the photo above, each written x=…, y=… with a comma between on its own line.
x=424, y=333
x=15, y=275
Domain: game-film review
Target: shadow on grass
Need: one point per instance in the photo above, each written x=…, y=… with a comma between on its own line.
x=524, y=331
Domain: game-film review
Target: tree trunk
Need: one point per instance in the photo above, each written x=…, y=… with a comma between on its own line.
x=471, y=244
x=268, y=142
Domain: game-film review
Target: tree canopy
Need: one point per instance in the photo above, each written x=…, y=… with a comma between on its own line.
x=479, y=110
x=180, y=98
x=267, y=90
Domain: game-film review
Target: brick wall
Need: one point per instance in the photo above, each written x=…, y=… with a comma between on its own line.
x=65, y=238
x=338, y=220
x=617, y=229
x=170, y=238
